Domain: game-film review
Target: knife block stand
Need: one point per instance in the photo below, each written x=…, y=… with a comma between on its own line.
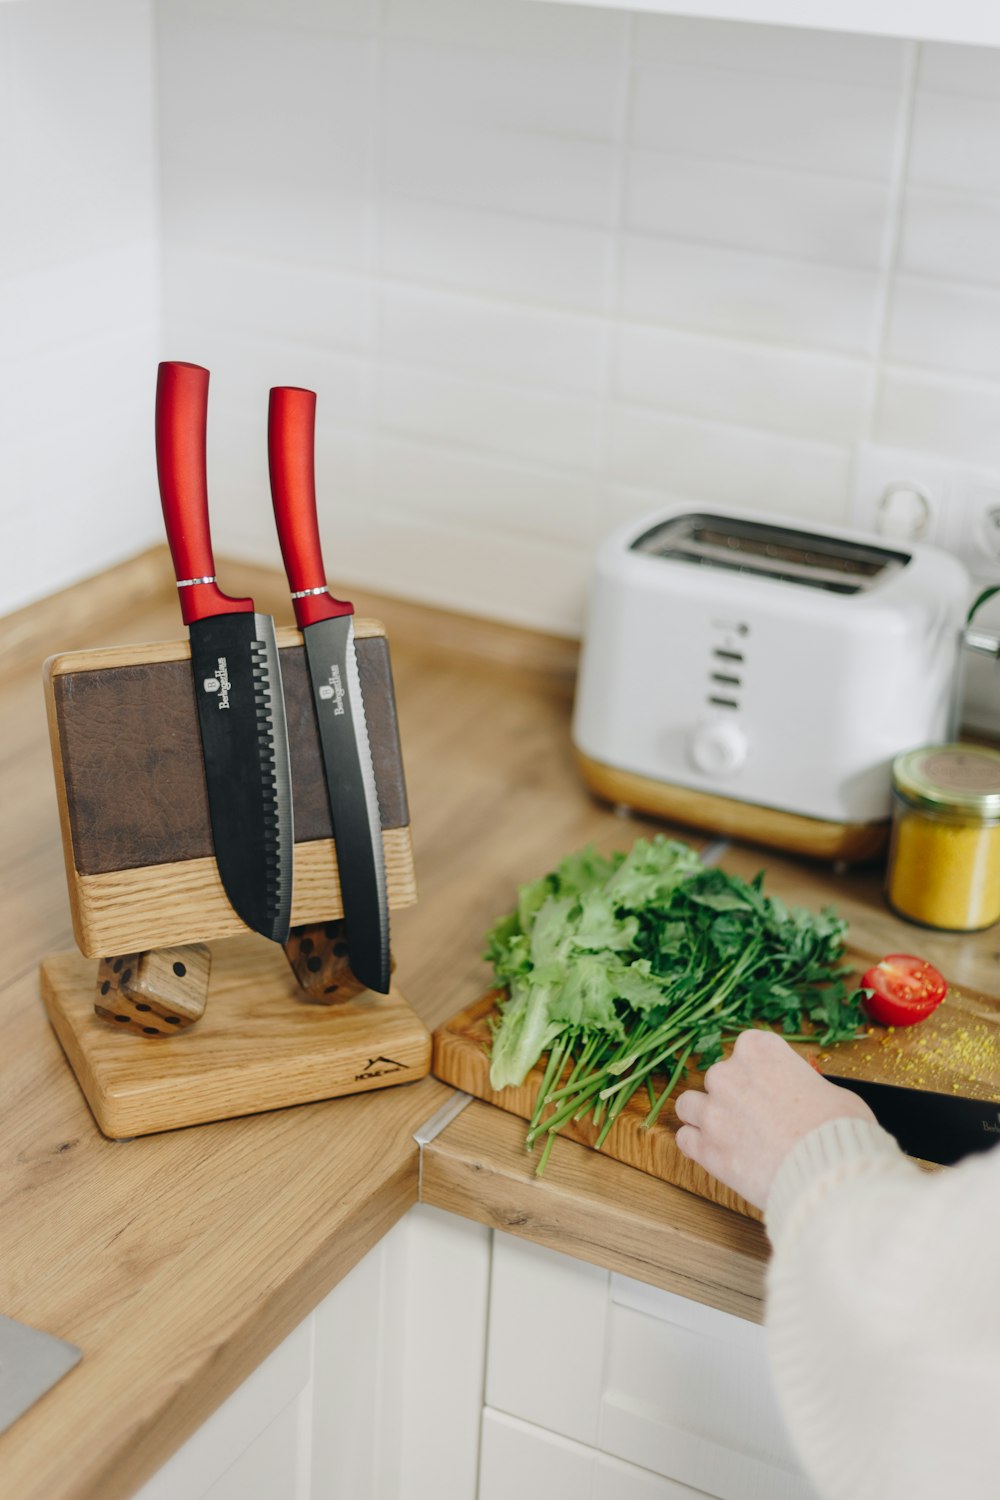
x=200, y=1020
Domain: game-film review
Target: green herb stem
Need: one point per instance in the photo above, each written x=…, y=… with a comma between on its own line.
x=671, y=1084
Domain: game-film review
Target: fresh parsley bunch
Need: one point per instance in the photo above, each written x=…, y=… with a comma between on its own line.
x=639, y=966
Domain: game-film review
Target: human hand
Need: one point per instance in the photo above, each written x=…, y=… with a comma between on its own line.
x=757, y=1104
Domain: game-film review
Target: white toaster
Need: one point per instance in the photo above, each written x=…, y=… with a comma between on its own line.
x=754, y=677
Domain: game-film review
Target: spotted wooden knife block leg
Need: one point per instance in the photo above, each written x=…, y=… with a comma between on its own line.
x=321, y=962
x=156, y=993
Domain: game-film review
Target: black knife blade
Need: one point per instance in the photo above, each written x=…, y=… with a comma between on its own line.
x=327, y=626
x=934, y=1127
x=236, y=674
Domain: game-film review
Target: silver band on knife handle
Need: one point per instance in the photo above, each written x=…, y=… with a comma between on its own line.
x=305, y=593
x=187, y=583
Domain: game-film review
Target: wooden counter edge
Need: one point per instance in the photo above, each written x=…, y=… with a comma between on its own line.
x=149, y=1438
x=597, y=1210
x=264, y=1329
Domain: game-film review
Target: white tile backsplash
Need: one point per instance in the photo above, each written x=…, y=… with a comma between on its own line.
x=955, y=143
x=79, y=290
x=77, y=130
x=547, y=266
x=556, y=179
x=78, y=301
x=760, y=297
x=679, y=41
x=951, y=235
x=960, y=70
x=268, y=140
x=523, y=259
x=943, y=325
x=732, y=466
x=434, y=84
x=751, y=385
x=495, y=340
x=955, y=418
x=508, y=419
x=499, y=573
x=768, y=119
x=300, y=304
x=842, y=221
x=470, y=490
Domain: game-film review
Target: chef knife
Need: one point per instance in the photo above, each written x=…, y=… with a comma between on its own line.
x=327, y=626
x=237, y=675
x=935, y=1127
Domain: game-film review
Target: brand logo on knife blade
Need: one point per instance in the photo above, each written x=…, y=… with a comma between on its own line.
x=991, y=1129
x=219, y=683
x=334, y=689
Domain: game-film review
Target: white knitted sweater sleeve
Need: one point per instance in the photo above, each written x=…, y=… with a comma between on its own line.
x=883, y=1317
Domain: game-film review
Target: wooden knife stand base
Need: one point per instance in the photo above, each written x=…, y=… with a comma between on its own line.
x=257, y=1046
x=186, y=1017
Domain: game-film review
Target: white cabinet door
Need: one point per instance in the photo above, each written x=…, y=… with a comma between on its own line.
x=687, y=1391
x=399, y=1358
x=378, y=1395
x=678, y=1389
x=263, y=1416
x=546, y=1338
x=276, y=1465
x=522, y=1462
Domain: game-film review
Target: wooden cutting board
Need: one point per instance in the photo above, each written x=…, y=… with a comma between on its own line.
x=955, y=1052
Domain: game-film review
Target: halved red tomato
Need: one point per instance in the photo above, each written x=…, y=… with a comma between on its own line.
x=904, y=990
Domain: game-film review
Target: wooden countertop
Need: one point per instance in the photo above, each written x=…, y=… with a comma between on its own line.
x=177, y=1262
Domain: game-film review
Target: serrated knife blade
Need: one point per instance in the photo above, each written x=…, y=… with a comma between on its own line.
x=236, y=675
x=327, y=626
x=350, y=780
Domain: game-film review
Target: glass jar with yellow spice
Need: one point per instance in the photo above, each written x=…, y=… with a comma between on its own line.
x=944, y=857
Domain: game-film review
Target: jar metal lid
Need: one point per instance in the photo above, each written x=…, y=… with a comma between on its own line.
x=951, y=778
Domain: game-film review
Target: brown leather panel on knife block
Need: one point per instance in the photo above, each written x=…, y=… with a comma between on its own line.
x=256, y=1048
x=133, y=804
x=955, y=1051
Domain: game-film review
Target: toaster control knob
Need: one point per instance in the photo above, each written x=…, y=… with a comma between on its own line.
x=718, y=748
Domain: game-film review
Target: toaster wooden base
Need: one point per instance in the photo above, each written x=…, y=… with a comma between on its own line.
x=855, y=843
x=259, y=1046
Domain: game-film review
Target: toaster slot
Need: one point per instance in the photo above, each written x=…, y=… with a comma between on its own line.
x=766, y=550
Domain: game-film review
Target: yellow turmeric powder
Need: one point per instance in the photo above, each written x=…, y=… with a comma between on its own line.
x=944, y=858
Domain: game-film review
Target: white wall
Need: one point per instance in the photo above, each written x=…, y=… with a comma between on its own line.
x=79, y=290
x=547, y=267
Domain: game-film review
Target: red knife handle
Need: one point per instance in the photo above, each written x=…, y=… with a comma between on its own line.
x=291, y=444
x=181, y=424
